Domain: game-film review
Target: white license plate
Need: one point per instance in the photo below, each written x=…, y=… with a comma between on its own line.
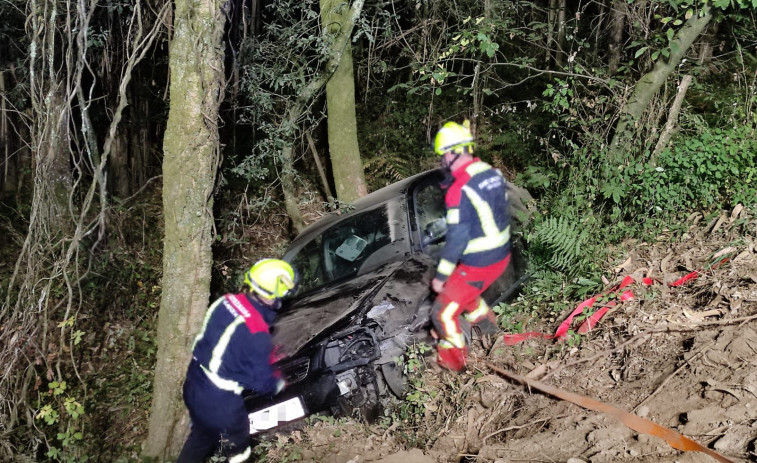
x=275, y=415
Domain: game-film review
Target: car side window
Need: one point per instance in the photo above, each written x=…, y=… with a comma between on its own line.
x=430, y=217
x=357, y=244
x=309, y=265
x=347, y=245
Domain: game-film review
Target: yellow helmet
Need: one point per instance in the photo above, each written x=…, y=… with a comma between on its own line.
x=453, y=137
x=271, y=278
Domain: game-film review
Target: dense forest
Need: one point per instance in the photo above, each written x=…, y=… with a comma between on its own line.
x=152, y=150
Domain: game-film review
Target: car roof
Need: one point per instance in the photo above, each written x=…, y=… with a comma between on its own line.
x=368, y=201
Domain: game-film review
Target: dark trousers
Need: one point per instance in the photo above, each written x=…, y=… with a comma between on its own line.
x=219, y=420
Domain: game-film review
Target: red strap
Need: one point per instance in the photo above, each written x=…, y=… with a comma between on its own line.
x=562, y=330
x=252, y=317
x=593, y=319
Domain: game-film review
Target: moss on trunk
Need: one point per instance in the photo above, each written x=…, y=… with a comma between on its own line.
x=346, y=165
x=190, y=149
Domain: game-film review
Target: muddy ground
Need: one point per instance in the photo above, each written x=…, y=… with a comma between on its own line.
x=682, y=356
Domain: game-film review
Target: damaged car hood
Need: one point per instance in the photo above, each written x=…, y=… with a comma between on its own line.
x=394, y=292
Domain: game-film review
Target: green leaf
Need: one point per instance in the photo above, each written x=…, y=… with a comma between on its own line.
x=655, y=55
x=670, y=33
x=640, y=51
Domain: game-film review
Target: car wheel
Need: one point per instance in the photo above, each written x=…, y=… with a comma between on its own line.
x=395, y=378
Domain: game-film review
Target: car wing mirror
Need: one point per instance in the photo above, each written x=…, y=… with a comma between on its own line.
x=351, y=248
x=434, y=231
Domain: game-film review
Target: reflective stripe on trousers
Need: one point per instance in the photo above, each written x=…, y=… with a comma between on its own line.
x=462, y=295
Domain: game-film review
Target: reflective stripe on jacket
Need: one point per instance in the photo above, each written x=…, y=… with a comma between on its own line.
x=478, y=219
x=234, y=346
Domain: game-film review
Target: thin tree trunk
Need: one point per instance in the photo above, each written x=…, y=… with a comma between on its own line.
x=191, y=156
x=319, y=166
x=119, y=165
x=650, y=84
x=295, y=111
x=672, y=122
x=8, y=181
x=551, y=15
x=560, y=53
x=618, y=10
x=599, y=30
x=139, y=144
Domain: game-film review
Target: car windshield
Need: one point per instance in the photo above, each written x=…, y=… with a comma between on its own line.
x=351, y=247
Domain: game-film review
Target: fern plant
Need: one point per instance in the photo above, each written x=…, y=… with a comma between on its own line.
x=566, y=245
x=387, y=168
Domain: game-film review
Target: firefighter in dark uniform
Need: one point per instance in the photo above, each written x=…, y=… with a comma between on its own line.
x=477, y=247
x=234, y=352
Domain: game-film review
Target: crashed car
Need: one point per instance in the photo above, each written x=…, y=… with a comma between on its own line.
x=363, y=300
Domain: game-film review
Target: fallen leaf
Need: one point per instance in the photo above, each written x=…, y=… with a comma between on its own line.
x=623, y=265
x=699, y=316
x=724, y=251
x=736, y=211
x=719, y=222
x=664, y=263
x=742, y=255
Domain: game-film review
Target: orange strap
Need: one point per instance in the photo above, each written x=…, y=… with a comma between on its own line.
x=635, y=422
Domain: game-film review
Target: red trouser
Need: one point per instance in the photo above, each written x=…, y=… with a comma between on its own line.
x=461, y=296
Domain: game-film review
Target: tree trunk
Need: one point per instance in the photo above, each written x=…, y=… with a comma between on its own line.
x=139, y=143
x=618, y=11
x=560, y=53
x=191, y=156
x=50, y=163
x=551, y=15
x=650, y=83
x=319, y=166
x=671, y=123
x=53, y=180
x=295, y=111
x=346, y=165
x=9, y=163
x=119, y=164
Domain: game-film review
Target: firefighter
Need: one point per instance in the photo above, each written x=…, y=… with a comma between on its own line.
x=477, y=247
x=234, y=352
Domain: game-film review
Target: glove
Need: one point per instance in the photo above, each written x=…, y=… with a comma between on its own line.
x=280, y=385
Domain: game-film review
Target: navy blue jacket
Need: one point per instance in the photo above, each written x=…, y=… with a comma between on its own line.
x=234, y=347
x=478, y=219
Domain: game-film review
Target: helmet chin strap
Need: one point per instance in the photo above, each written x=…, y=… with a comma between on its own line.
x=448, y=165
x=448, y=179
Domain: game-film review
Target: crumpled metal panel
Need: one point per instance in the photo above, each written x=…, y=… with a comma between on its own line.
x=316, y=314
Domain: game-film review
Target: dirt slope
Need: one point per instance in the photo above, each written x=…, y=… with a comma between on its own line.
x=683, y=357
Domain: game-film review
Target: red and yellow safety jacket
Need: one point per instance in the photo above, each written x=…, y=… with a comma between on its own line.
x=478, y=219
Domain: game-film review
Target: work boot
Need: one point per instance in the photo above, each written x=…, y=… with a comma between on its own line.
x=486, y=327
x=451, y=358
